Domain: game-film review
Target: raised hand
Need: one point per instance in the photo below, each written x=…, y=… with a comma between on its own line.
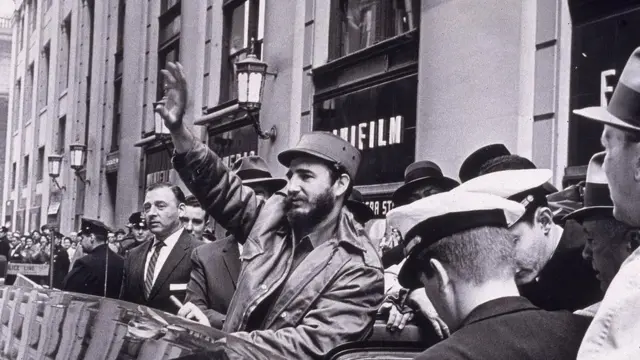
x=174, y=102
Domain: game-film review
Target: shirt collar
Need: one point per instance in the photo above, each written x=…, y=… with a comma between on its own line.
x=497, y=307
x=320, y=234
x=171, y=241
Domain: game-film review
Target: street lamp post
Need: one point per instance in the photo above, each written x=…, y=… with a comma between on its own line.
x=250, y=77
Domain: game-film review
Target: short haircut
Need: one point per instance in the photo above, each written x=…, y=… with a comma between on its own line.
x=192, y=201
x=175, y=189
x=120, y=231
x=477, y=255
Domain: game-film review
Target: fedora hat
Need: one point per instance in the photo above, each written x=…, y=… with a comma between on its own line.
x=253, y=170
x=328, y=147
x=566, y=201
x=470, y=167
x=623, y=111
x=597, y=196
x=418, y=174
x=355, y=203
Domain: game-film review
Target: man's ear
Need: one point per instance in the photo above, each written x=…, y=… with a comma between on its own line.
x=440, y=273
x=544, y=216
x=181, y=209
x=342, y=184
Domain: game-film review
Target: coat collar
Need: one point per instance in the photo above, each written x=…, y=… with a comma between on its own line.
x=498, y=307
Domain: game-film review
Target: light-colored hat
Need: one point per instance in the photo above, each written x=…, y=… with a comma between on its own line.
x=524, y=186
x=445, y=214
x=623, y=110
x=597, y=196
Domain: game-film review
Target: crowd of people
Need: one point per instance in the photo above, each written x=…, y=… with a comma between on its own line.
x=502, y=264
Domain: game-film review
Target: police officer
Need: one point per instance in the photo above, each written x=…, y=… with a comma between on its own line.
x=459, y=249
x=100, y=271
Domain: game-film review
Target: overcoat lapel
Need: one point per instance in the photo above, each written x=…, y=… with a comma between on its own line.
x=231, y=257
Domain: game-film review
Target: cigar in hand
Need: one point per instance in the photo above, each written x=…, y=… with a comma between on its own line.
x=176, y=301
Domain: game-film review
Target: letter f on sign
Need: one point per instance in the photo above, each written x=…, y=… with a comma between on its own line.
x=605, y=88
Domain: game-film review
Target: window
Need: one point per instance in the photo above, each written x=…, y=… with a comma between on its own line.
x=65, y=47
x=28, y=95
x=16, y=105
x=243, y=21
x=14, y=170
x=33, y=15
x=25, y=171
x=120, y=35
x=358, y=24
x=117, y=111
x=21, y=32
x=169, y=38
x=40, y=169
x=62, y=128
x=43, y=80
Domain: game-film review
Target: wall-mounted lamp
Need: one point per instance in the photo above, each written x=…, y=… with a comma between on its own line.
x=250, y=75
x=55, y=164
x=78, y=156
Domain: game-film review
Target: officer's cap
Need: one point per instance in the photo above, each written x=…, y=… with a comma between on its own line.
x=528, y=186
x=96, y=227
x=426, y=221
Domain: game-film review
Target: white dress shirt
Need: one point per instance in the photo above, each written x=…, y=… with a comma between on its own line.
x=169, y=243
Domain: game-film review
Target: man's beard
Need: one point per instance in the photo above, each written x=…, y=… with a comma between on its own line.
x=319, y=209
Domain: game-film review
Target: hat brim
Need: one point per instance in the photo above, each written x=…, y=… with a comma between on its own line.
x=361, y=210
x=581, y=214
x=273, y=184
x=600, y=114
x=403, y=191
x=408, y=274
x=287, y=156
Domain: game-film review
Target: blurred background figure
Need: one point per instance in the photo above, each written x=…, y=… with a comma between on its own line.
x=195, y=218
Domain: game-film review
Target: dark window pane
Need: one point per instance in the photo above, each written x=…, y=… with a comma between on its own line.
x=237, y=34
x=170, y=30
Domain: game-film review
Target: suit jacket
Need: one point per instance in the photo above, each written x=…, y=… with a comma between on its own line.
x=175, y=271
x=567, y=281
x=216, y=267
x=512, y=328
x=87, y=275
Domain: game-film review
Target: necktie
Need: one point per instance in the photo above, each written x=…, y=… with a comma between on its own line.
x=148, y=279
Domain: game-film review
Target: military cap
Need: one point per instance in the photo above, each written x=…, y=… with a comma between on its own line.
x=426, y=221
x=623, y=110
x=325, y=146
x=421, y=173
x=528, y=187
x=355, y=203
x=470, y=167
x=137, y=221
x=597, y=196
x=253, y=170
x=96, y=227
